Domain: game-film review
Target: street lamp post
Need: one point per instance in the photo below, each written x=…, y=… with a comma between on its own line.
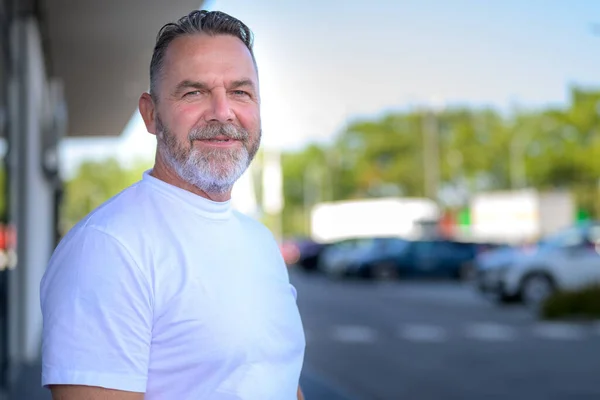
x=518, y=173
x=431, y=154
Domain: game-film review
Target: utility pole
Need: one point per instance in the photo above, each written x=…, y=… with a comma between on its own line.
x=523, y=136
x=518, y=174
x=431, y=154
x=331, y=164
x=309, y=197
x=272, y=198
x=517, y=169
x=595, y=28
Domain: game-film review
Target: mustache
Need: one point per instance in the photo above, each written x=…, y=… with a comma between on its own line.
x=214, y=130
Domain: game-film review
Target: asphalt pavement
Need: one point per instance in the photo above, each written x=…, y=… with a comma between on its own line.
x=439, y=340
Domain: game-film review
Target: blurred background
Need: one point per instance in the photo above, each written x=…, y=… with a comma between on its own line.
x=431, y=170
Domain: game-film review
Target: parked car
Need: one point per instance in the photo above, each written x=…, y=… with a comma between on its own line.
x=302, y=252
x=440, y=258
x=373, y=262
x=492, y=265
x=336, y=258
x=425, y=258
x=567, y=260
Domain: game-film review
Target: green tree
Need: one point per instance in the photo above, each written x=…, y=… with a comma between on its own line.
x=381, y=157
x=306, y=180
x=478, y=150
x=566, y=152
x=94, y=183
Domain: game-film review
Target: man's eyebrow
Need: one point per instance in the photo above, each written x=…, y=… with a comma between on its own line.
x=187, y=84
x=241, y=83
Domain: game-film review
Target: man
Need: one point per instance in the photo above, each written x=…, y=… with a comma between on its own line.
x=164, y=292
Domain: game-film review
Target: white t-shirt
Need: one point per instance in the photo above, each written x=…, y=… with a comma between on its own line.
x=165, y=292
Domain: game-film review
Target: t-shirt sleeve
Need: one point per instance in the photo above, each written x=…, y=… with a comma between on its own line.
x=97, y=308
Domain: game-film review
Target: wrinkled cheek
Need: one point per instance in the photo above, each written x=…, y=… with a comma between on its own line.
x=176, y=149
x=252, y=146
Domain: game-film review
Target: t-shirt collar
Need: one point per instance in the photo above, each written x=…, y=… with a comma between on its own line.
x=206, y=207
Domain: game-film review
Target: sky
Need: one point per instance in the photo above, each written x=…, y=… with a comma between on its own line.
x=324, y=63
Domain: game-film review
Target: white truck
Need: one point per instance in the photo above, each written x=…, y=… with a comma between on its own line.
x=522, y=216
x=382, y=217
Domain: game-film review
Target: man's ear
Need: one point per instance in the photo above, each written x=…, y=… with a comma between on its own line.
x=148, y=110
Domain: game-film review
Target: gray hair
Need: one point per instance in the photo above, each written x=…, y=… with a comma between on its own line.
x=211, y=23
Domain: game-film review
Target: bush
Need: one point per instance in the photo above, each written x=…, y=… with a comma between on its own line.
x=576, y=304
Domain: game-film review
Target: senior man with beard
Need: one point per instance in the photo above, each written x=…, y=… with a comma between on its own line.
x=165, y=292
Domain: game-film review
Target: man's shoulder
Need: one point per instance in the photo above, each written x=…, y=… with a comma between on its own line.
x=115, y=233
x=257, y=233
x=118, y=215
x=253, y=224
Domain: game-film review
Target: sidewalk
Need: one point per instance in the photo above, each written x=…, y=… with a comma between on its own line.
x=28, y=385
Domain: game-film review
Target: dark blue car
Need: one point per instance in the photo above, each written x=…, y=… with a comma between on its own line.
x=422, y=258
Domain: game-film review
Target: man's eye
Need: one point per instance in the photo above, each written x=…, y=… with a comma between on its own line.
x=241, y=93
x=193, y=93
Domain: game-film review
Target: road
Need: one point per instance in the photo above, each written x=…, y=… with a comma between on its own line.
x=439, y=340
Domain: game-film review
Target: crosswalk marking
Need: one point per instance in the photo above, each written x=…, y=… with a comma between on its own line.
x=558, y=331
x=490, y=332
x=354, y=334
x=480, y=331
x=423, y=333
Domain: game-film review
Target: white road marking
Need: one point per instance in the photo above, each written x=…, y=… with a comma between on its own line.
x=481, y=331
x=490, y=332
x=354, y=334
x=559, y=331
x=446, y=295
x=423, y=333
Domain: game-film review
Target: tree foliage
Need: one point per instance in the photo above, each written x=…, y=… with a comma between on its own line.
x=94, y=183
x=477, y=150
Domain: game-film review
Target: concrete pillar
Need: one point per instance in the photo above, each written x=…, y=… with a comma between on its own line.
x=33, y=136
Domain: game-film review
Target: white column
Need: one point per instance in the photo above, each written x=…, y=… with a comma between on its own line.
x=32, y=192
x=272, y=199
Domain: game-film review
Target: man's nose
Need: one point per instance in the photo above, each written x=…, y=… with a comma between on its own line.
x=220, y=108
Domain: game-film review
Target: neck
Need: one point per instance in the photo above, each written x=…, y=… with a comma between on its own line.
x=166, y=174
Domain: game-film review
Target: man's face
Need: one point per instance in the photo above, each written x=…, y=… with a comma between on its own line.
x=207, y=117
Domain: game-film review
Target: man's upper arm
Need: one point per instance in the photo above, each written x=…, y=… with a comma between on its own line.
x=73, y=392
x=97, y=308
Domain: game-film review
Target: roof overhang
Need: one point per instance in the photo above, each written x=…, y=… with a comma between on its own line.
x=101, y=50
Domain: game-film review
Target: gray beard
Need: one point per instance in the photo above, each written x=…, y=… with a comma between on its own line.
x=211, y=172
x=214, y=170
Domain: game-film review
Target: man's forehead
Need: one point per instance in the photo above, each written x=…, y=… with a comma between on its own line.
x=210, y=60
x=203, y=48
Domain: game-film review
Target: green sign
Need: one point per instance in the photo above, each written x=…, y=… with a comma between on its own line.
x=464, y=217
x=582, y=215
